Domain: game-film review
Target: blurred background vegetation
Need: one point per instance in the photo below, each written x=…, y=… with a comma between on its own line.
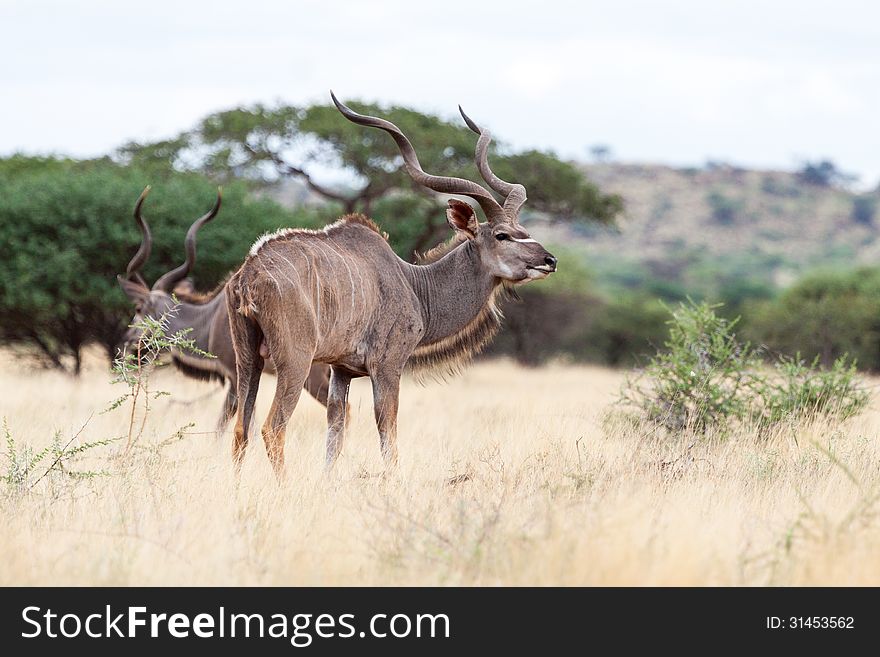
x=791, y=252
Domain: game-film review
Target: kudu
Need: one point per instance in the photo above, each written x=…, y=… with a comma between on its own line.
x=341, y=296
x=173, y=297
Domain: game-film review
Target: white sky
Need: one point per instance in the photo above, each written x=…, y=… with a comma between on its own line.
x=758, y=83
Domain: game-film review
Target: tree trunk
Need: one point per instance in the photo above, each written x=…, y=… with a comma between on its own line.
x=52, y=355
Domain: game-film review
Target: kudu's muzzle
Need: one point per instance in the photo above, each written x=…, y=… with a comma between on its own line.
x=545, y=263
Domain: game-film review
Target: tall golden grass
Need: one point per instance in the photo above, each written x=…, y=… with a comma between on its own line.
x=508, y=476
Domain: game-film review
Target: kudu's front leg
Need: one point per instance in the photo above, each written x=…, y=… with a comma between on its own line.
x=337, y=413
x=386, y=392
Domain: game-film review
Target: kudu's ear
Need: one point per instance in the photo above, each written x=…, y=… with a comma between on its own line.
x=184, y=287
x=462, y=218
x=133, y=290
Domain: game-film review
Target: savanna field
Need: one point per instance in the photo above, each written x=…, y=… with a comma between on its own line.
x=507, y=476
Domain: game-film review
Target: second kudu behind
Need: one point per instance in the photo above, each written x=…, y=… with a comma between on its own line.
x=341, y=296
x=204, y=315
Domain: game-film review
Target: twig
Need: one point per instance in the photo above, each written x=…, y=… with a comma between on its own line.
x=62, y=451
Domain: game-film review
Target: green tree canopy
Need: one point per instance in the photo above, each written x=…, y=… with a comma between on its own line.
x=263, y=143
x=66, y=231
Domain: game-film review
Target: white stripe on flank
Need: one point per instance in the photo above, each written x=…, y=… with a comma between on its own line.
x=344, y=262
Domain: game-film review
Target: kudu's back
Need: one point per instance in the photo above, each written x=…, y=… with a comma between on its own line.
x=337, y=289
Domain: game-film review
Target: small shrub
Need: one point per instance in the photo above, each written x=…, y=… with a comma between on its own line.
x=705, y=378
x=796, y=391
x=54, y=465
x=698, y=380
x=134, y=369
x=58, y=466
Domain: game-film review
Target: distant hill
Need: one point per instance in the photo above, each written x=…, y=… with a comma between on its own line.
x=719, y=230
x=701, y=229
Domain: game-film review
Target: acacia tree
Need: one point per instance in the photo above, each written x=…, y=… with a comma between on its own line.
x=263, y=144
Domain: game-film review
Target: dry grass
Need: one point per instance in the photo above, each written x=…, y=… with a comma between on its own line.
x=550, y=490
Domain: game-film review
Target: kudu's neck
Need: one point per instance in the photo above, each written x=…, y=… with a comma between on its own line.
x=198, y=317
x=453, y=291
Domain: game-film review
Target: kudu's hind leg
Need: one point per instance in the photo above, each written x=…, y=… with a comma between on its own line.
x=337, y=413
x=292, y=370
x=230, y=408
x=386, y=393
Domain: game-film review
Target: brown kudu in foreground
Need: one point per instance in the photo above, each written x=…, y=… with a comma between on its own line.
x=341, y=296
x=205, y=314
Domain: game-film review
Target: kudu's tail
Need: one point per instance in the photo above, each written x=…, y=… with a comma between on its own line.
x=247, y=337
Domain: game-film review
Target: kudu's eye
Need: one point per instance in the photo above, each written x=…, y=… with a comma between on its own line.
x=502, y=236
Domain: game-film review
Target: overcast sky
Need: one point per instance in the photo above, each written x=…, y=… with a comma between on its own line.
x=758, y=83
